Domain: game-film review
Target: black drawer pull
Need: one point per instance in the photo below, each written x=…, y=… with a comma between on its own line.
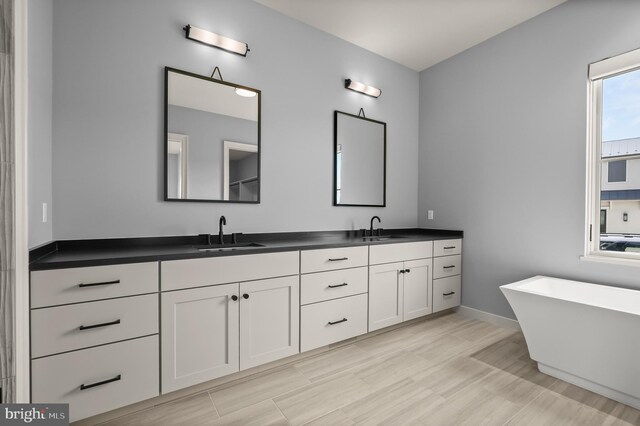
x=449, y=294
x=104, y=324
x=234, y=297
x=337, y=285
x=337, y=259
x=104, y=382
x=246, y=296
x=337, y=322
x=407, y=270
x=449, y=267
x=100, y=283
x=450, y=247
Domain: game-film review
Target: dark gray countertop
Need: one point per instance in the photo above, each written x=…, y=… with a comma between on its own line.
x=79, y=253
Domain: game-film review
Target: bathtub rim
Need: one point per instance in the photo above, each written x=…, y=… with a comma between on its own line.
x=517, y=287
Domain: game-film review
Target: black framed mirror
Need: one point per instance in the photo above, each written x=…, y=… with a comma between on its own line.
x=212, y=139
x=360, y=161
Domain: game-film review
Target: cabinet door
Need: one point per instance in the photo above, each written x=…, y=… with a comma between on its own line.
x=199, y=335
x=385, y=295
x=417, y=288
x=269, y=320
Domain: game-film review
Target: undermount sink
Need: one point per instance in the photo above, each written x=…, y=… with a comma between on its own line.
x=229, y=247
x=382, y=237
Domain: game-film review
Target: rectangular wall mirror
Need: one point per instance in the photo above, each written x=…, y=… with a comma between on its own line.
x=360, y=156
x=212, y=139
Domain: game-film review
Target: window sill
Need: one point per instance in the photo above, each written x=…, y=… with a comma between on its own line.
x=622, y=261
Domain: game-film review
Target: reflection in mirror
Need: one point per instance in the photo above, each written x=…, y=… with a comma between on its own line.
x=359, y=161
x=212, y=139
x=177, y=165
x=240, y=165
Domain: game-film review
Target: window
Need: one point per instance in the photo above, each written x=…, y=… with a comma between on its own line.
x=613, y=196
x=617, y=171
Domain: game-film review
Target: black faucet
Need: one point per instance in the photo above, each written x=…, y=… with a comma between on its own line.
x=371, y=228
x=223, y=221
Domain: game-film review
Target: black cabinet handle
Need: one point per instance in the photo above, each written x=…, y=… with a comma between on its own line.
x=104, y=382
x=337, y=322
x=104, y=324
x=449, y=248
x=407, y=270
x=338, y=285
x=449, y=294
x=401, y=271
x=234, y=297
x=337, y=259
x=100, y=283
x=246, y=296
x=449, y=267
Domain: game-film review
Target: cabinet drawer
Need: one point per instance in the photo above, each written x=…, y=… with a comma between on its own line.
x=387, y=253
x=334, y=258
x=332, y=285
x=442, y=293
x=315, y=327
x=57, y=329
x=59, y=378
x=181, y=274
x=447, y=266
x=61, y=286
x=447, y=247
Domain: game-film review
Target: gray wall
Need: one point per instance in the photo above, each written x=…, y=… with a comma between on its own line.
x=207, y=132
x=39, y=156
x=108, y=111
x=503, y=147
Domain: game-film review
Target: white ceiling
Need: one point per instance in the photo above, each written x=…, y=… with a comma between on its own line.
x=415, y=33
x=204, y=95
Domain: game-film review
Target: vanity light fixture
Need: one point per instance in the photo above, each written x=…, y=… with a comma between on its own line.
x=362, y=88
x=245, y=93
x=216, y=40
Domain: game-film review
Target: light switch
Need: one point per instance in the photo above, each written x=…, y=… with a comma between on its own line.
x=430, y=214
x=44, y=212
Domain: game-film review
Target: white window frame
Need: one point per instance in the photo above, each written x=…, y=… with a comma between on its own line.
x=598, y=71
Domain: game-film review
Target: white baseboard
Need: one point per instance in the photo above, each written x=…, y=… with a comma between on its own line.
x=488, y=317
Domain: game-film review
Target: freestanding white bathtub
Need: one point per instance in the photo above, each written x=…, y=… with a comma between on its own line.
x=585, y=334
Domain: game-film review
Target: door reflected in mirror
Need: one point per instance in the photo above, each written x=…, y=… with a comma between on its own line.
x=359, y=161
x=212, y=134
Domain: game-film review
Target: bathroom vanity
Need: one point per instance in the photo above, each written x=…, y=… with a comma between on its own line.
x=114, y=322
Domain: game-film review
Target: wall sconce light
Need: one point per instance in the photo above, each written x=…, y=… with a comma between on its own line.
x=625, y=217
x=362, y=88
x=216, y=40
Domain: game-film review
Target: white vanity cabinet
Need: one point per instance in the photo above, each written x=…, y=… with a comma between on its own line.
x=447, y=270
x=400, y=283
x=94, y=337
x=103, y=337
x=210, y=331
x=333, y=295
x=200, y=335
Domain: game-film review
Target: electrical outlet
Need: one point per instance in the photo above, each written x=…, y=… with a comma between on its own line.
x=44, y=213
x=430, y=214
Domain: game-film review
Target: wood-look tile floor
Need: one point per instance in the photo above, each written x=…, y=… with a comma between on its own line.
x=448, y=370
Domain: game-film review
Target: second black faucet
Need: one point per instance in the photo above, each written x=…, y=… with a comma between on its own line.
x=223, y=221
x=371, y=227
